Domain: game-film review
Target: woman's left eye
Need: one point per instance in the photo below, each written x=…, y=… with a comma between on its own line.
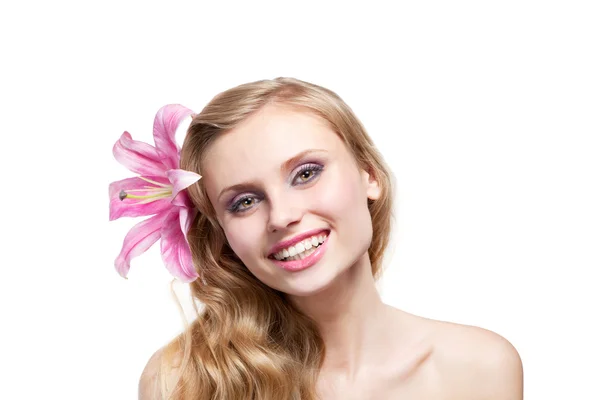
x=307, y=173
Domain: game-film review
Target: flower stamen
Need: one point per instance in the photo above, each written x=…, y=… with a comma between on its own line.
x=158, y=193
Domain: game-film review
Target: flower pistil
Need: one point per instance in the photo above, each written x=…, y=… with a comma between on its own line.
x=160, y=191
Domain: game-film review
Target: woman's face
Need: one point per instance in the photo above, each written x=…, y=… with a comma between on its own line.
x=283, y=174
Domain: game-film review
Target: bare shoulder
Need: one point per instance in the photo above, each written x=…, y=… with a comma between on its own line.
x=161, y=365
x=149, y=388
x=477, y=363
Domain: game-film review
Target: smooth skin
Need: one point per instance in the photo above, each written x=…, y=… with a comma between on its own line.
x=290, y=174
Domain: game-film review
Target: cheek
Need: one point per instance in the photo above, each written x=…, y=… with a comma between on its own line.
x=343, y=201
x=242, y=234
x=338, y=195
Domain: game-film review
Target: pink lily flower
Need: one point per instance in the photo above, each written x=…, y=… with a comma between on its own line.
x=158, y=191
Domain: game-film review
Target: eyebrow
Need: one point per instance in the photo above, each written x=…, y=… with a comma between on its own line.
x=287, y=165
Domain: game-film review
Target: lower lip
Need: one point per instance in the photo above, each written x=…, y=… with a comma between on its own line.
x=299, y=265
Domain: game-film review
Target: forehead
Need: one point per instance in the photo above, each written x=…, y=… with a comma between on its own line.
x=264, y=141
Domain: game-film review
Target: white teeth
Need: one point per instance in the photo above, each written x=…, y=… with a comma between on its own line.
x=300, y=249
x=307, y=253
x=307, y=244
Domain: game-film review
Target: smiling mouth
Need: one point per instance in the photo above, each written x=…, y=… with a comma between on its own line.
x=302, y=249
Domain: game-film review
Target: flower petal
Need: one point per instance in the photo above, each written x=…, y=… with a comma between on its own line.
x=138, y=157
x=166, y=121
x=181, y=179
x=174, y=247
x=129, y=207
x=186, y=218
x=182, y=200
x=139, y=239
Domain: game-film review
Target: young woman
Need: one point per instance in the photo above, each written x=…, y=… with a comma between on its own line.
x=290, y=223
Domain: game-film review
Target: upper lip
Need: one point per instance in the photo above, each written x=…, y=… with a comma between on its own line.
x=284, y=244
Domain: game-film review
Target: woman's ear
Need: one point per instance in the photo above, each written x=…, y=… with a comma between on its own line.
x=372, y=187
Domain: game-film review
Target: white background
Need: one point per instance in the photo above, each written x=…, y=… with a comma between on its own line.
x=488, y=113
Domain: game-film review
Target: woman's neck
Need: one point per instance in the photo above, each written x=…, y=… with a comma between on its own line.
x=351, y=318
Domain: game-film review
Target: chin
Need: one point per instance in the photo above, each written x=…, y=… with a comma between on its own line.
x=310, y=282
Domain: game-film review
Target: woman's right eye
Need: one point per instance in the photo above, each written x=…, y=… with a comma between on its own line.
x=243, y=204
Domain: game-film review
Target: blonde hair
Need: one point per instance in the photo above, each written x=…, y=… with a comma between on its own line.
x=248, y=342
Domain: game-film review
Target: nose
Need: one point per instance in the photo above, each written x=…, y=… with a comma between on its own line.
x=283, y=213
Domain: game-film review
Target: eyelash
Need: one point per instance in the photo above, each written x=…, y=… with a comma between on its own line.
x=315, y=168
